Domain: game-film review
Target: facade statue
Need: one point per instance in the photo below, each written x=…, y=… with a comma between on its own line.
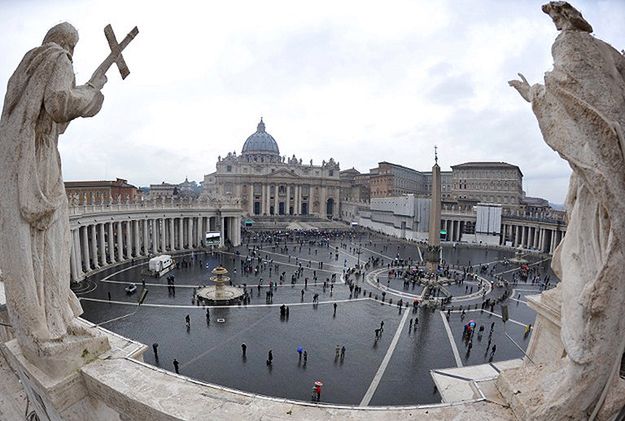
x=581, y=113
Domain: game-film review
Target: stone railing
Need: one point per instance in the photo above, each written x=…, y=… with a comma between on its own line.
x=76, y=209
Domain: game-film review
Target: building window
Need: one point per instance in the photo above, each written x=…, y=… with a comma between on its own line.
x=228, y=168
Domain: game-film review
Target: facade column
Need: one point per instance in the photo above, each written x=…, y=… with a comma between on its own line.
x=287, y=202
x=552, y=245
x=296, y=206
x=111, y=243
x=522, y=238
x=120, y=242
x=94, y=246
x=85, y=249
x=251, y=199
x=541, y=240
x=275, y=200
x=268, y=200
x=102, y=248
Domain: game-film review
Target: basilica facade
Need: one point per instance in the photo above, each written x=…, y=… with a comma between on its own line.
x=270, y=184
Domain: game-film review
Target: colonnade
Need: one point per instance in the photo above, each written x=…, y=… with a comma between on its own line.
x=529, y=235
x=96, y=244
x=545, y=239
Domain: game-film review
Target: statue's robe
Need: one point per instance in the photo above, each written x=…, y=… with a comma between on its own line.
x=581, y=114
x=41, y=100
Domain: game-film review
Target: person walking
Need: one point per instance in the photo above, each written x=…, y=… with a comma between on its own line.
x=343, y=352
x=335, y=306
x=269, y=357
x=155, y=349
x=337, y=353
x=176, y=366
x=187, y=320
x=243, y=349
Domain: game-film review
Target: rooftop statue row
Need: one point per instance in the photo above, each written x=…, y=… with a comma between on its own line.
x=83, y=200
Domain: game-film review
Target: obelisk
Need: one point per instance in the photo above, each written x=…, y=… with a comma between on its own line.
x=432, y=255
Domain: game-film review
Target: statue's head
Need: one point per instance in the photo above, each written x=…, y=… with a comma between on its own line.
x=63, y=34
x=566, y=17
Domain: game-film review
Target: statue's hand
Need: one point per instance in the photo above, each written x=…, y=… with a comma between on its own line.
x=98, y=81
x=522, y=86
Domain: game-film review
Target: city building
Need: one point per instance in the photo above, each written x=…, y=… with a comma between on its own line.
x=100, y=191
x=354, y=186
x=490, y=182
x=163, y=190
x=269, y=184
x=388, y=180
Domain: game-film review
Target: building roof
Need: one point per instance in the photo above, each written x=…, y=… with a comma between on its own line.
x=120, y=182
x=486, y=164
x=261, y=142
x=398, y=166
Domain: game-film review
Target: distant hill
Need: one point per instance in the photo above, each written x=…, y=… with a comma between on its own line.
x=557, y=206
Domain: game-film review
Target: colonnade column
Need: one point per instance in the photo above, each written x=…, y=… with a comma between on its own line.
x=146, y=237
x=153, y=237
x=180, y=234
x=128, y=253
x=190, y=232
x=94, y=247
x=102, y=248
x=135, y=238
x=172, y=234
x=75, y=264
x=120, y=244
x=162, y=225
x=111, y=244
x=222, y=231
x=85, y=249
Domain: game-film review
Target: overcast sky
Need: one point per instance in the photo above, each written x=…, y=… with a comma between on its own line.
x=358, y=81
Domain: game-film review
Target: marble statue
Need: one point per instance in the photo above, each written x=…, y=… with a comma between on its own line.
x=41, y=100
x=581, y=113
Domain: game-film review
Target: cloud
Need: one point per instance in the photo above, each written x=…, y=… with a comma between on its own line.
x=359, y=81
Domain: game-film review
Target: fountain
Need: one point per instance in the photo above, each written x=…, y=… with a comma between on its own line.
x=220, y=293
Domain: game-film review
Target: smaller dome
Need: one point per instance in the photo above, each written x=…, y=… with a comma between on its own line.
x=261, y=142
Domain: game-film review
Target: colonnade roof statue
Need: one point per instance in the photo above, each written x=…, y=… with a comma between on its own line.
x=41, y=100
x=581, y=113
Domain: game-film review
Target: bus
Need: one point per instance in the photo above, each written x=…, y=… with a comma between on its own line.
x=213, y=238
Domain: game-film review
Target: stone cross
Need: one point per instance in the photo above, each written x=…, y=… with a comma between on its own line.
x=115, y=55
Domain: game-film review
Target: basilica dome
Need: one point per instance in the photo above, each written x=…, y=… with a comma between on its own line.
x=261, y=142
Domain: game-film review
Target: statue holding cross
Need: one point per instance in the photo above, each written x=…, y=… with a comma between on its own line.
x=41, y=100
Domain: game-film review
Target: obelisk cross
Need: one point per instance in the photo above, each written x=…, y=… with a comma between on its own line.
x=115, y=55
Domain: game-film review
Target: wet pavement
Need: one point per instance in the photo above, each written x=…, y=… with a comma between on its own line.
x=211, y=351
